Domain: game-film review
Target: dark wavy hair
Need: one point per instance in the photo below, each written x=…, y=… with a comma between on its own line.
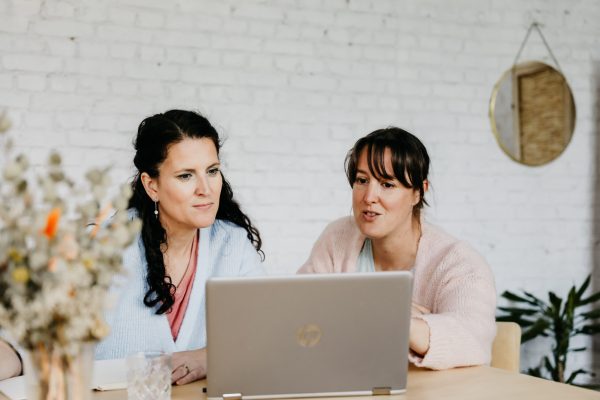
x=410, y=161
x=154, y=137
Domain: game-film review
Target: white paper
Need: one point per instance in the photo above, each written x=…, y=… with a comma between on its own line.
x=108, y=375
x=14, y=388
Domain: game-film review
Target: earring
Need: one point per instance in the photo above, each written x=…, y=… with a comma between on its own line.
x=156, y=208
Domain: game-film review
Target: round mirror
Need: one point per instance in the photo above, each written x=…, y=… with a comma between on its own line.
x=532, y=113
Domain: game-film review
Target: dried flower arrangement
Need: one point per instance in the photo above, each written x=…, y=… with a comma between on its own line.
x=60, y=247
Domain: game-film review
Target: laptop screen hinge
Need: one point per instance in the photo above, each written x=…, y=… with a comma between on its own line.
x=381, y=391
x=232, y=396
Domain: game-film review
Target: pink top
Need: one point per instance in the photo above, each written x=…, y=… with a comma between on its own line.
x=449, y=278
x=183, y=292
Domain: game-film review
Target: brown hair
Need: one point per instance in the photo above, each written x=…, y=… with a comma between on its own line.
x=410, y=161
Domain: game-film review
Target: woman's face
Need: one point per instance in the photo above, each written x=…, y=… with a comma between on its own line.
x=188, y=186
x=381, y=208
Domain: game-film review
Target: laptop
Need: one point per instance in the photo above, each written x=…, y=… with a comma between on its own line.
x=308, y=335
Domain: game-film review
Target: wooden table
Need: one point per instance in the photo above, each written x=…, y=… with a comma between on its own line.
x=474, y=383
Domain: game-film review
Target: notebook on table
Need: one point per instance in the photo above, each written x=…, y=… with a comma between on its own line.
x=107, y=375
x=308, y=335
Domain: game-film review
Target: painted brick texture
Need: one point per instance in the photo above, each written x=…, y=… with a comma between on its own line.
x=292, y=84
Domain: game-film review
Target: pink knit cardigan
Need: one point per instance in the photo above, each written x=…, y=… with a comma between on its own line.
x=449, y=278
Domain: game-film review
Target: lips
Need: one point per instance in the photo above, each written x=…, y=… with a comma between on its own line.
x=202, y=206
x=370, y=216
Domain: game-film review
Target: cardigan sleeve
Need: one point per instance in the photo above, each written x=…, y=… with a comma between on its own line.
x=462, y=323
x=336, y=249
x=251, y=261
x=321, y=259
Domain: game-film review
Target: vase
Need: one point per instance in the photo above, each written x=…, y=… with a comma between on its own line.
x=50, y=374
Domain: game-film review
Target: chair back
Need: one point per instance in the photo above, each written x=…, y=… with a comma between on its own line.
x=506, y=349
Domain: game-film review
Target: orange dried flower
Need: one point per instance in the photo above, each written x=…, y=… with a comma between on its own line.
x=52, y=223
x=52, y=264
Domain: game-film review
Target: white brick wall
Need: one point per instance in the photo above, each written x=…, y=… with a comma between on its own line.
x=292, y=84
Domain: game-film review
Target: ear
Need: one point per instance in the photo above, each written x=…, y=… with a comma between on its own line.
x=150, y=185
x=417, y=194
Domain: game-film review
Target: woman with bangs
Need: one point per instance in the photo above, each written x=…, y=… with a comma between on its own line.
x=454, y=296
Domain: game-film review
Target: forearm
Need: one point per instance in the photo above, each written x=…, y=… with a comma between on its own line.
x=419, y=336
x=456, y=341
x=10, y=363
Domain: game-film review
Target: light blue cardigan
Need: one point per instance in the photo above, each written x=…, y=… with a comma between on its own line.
x=224, y=250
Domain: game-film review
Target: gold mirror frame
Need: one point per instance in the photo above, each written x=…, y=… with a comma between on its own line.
x=532, y=113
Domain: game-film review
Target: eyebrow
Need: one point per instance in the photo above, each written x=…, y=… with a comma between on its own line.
x=360, y=171
x=217, y=164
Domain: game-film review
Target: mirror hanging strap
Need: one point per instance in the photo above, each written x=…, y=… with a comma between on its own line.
x=536, y=25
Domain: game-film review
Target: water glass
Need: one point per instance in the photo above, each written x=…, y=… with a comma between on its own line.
x=149, y=376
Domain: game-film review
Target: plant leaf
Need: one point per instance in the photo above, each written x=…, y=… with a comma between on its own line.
x=555, y=300
x=537, y=372
x=583, y=287
x=575, y=373
x=537, y=301
x=513, y=297
x=551, y=368
x=538, y=328
x=523, y=323
x=578, y=349
x=516, y=310
x=591, y=314
x=570, y=304
x=588, y=329
x=593, y=298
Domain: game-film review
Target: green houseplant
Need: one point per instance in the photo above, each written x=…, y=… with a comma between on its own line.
x=557, y=318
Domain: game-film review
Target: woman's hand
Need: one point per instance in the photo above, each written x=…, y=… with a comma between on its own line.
x=418, y=310
x=11, y=363
x=188, y=366
x=419, y=330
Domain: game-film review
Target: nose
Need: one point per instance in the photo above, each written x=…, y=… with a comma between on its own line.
x=202, y=186
x=372, y=192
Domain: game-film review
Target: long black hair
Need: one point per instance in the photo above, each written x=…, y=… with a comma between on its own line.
x=154, y=137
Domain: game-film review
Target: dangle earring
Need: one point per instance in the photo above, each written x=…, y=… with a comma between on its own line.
x=156, y=209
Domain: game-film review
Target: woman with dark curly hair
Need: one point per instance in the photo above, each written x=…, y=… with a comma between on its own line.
x=192, y=229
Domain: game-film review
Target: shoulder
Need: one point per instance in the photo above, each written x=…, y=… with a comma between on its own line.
x=434, y=238
x=443, y=250
x=225, y=237
x=336, y=249
x=343, y=228
x=227, y=230
x=134, y=264
x=231, y=251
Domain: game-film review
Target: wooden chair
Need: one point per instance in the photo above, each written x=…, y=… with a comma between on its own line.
x=506, y=348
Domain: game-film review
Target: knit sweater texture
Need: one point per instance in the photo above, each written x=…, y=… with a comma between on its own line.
x=449, y=278
x=224, y=250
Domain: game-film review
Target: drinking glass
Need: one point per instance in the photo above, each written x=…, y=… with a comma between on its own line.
x=149, y=376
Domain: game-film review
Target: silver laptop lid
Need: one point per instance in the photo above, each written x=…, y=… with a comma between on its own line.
x=308, y=335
